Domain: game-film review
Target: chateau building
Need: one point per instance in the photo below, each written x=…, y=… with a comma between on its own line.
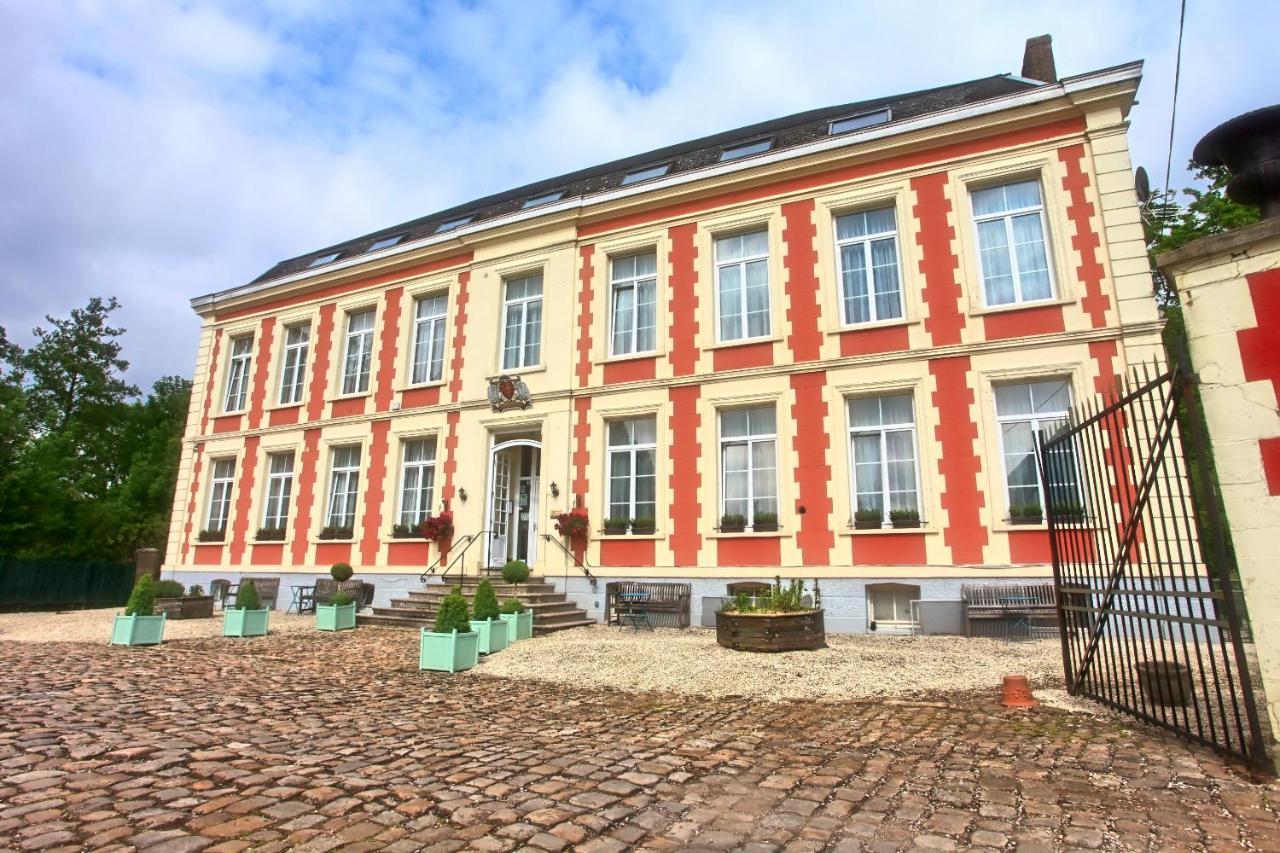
x=819, y=347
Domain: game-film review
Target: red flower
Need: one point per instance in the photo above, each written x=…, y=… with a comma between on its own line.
x=437, y=527
x=573, y=524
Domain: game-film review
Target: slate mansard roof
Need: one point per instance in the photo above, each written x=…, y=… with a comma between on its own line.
x=786, y=132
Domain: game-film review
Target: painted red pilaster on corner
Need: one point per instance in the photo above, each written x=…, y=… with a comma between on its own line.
x=209, y=388
x=811, y=443
x=684, y=479
x=1104, y=354
x=261, y=366
x=938, y=264
x=349, y=286
x=962, y=498
x=585, y=291
x=800, y=263
x=1260, y=357
x=308, y=464
x=320, y=363
x=627, y=552
x=749, y=551
x=384, y=390
x=1085, y=240
x=871, y=341
x=192, y=501
x=1023, y=322
x=244, y=497
x=631, y=370
x=888, y=549
x=742, y=356
x=459, y=336
x=370, y=540
x=450, y=466
x=682, y=307
x=581, y=452
x=1115, y=451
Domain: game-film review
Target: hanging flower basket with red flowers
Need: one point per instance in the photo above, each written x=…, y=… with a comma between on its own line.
x=573, y=524
x=437, y=528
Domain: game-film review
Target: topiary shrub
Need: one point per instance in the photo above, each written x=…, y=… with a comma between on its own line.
x=142, y=601
x=341, y=572
x=486, y=603
x=453, y=614
x=168, y=589
x=515, y=572
x=512, y=605
x=247, y=597
x=195, y=591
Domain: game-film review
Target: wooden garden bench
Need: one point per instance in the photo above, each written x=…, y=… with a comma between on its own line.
x=1009, y=610
x=665, y=604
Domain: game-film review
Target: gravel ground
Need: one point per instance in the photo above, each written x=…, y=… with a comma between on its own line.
x=94, y=626
x=691, y=662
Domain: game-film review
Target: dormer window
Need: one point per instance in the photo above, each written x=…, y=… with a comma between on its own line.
x=323, y=259
x=545, y=198
x=746, y=149
x=859, y=121
x=646, y=174
x=452, y=224
x=386, y=242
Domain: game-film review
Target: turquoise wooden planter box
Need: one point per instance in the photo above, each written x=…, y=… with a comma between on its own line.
x=138, y=630
x=512, y=623
x=524, y=625
x=448, y=652
x=335, y=617
x=492, y=633
x=245, y=623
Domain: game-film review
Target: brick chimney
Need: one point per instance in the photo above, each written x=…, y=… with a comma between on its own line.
x=1037, y=60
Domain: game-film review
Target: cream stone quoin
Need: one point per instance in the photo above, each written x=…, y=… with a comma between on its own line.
x=869, y=308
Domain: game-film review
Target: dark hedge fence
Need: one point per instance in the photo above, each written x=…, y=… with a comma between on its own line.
x=63, y=584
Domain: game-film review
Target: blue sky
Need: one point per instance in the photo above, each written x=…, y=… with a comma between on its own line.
x=156, y=151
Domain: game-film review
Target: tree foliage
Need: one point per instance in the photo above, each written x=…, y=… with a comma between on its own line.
x=87, y=465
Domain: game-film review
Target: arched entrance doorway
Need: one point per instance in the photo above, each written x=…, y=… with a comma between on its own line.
x=511, y=509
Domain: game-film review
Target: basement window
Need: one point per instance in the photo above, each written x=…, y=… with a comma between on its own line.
x=859, y=121
x=386, y=242
x=452, y=224
x=324, y=259
x=545, y=198
x=646, y=174
x=746, y=149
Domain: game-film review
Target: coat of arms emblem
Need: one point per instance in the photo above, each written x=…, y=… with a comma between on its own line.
x=508, y=392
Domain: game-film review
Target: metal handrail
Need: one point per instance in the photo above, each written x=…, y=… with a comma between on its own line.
x=580, y=564
x=431, y=569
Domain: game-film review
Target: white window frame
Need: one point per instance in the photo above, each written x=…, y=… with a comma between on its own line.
x=882, y=430
x=435, y=342
x=749, y=441
x=293, y=364
x=424, y=484
x=634, y=283
x=631, y=451
x=348, y=477
x=866, y=241
x=1035, y=419
x=897, y=590
x=222, y=476
x=236, y=398
x=523, y=303
x=741, y=264
x=1008, y=217
x=363, y=338
x=275, y=511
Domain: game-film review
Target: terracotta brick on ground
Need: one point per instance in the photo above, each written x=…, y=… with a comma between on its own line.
x=313, y=742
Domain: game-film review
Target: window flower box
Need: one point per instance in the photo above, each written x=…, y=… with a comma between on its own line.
x=212, y=535
x=334, y=532
x=904, y=518
x=732, y=523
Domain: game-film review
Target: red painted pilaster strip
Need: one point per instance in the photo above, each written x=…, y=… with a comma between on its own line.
x=682, y=308
x=209, y=388
x=1116, y=451
x=320, y=363
x=450, y=466
x=1085, y=240
x=1260, y=358
x=813, y=473
x=262, y=363
x=384, y=391
x=801, y=271
x=585, y=290
x=1024, y=322
x=582, y=448
x=960, y=465
x=459, y=336
x=193, y=501
x=938, y=263
x=308, y=471
x=370, y=541
x=244, y=497
x=684, y=479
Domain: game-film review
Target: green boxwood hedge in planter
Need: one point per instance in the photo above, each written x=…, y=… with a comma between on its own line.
x=137, y=626
x=246, y=618
x=484, y=620
x=452, y=646
x=518, y=619
x=338, y=615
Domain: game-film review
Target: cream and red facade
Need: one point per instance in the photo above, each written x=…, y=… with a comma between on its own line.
x=948, y=351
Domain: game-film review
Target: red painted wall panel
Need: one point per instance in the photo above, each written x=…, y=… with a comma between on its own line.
x=682, y=308
x=749, y=551
x=684, y=479
x=743, y=356
x=813, y=472
x=960, y=466
x=267, y=554
x=409, y=553
x=631, y=370
x=414, y=397
x=1023, y=322
x=1030, y=546
x=208, y=555
x=627, y=552
x=888, y=549
x=328, y=553
x=870, y=341
x=348, y=407
x=285, y=416
x=227, y=423
x=800, y=265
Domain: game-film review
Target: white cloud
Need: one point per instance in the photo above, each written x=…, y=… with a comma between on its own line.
x=157, y=151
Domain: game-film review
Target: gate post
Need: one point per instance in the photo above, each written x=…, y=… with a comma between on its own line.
x=146, y=561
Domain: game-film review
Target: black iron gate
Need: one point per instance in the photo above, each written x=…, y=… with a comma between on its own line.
x=1150, y=622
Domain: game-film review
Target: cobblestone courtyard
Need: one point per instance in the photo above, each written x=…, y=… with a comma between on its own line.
x=309, y=741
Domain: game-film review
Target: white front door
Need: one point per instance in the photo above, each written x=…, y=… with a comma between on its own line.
x=500, y=509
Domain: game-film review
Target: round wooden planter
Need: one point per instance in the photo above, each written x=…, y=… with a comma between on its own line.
x=771, y=632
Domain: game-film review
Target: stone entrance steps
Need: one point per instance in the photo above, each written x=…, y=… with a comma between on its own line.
x=552, y=611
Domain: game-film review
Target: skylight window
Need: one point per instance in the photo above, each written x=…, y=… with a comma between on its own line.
x=452, y=224
x=324, y=259
x=844, y=125
x=545, y=198
x=386, y=242
x=746, y=150
x=646, y=174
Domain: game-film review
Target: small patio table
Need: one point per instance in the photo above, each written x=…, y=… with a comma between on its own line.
x=1021, y=627
x=633, y=607
x=304, y=599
